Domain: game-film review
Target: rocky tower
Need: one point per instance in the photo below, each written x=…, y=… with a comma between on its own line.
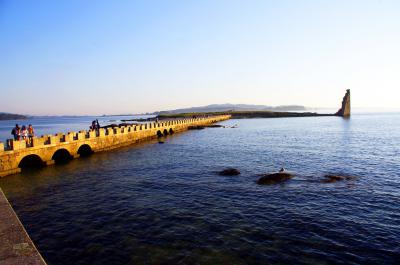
x=344, y=111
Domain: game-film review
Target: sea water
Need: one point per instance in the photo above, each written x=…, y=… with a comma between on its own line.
x=165, y=203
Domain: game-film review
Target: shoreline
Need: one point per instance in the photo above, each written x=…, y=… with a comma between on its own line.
x=16, y=246
x=248, y=114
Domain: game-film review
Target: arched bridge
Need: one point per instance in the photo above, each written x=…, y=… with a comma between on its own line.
x=59, y=148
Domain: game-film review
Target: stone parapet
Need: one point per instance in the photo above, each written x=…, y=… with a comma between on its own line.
x=102, y=132
x=92, y=134
x=70, y=136
x=52, y=139
x=17, y=145
x=38, y=142
x=81, y=135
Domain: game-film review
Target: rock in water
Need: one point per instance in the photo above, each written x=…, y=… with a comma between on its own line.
x=201, y=127
x=334, y=178
x=197, y=127
x=229, y=172
x=214, y=126
x=160, y=142
x=274, y=178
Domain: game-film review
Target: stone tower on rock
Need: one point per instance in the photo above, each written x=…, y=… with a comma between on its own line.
x=344, y=111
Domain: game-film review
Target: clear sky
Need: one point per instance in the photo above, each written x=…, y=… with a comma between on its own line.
x=96, y=57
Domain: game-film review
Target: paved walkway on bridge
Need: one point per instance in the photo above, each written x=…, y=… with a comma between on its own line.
x=16, y=247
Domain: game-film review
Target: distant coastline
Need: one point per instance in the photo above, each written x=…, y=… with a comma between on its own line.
x=11, y=116
x=246, y=114
x=218, y=108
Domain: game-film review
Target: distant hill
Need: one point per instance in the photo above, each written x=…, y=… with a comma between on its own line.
x=233, y=107
x=10, y=116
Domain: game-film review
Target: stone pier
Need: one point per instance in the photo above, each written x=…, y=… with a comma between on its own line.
x=50, y=149
x=16, y=247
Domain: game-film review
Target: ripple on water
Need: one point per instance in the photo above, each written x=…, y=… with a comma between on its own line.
x=164, y=204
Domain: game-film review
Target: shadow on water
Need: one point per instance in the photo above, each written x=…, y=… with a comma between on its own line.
x=62, y=156
x=31, y=162
x=85, y=150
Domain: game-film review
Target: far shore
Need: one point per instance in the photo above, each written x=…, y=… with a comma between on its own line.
x=247, y=114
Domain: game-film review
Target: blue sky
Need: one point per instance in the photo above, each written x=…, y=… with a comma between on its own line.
x=95, y=57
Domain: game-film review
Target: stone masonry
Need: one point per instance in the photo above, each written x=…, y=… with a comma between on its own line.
x=44, y=148
x=16, y=247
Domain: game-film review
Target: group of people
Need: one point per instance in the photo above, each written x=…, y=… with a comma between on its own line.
x=95, y=125
x=23, y=133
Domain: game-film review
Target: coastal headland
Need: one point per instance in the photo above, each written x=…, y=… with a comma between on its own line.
x=10, y=116
x=344, y=111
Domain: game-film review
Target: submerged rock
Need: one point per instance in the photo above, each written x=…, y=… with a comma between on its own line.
x=118, y=125
x=274, y=178
x=196, y=127
x=229, y=172
x=201, y=127
x=334, y=178
x=214, y=126
x=127, y=124
x=110, y=126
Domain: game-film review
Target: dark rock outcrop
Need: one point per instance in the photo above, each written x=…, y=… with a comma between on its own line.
x=196, y=127
x=201, y=127
x=344, y=111
x=229, y=172
x=141, y=120
x=214, y=126
x=335, y=178
x=118, y=125
x=110, y=126
x=274, y=178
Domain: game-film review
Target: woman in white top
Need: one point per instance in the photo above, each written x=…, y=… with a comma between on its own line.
x=24, y=133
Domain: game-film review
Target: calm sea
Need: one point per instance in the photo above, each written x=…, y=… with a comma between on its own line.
x=164, y=203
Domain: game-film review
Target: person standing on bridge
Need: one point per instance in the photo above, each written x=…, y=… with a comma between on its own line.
x=93, y=126
x=31, y=134
x=31, y=131
x=16, y=131
x=24, y=133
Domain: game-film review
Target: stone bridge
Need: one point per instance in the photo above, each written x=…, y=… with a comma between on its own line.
x=50, y=149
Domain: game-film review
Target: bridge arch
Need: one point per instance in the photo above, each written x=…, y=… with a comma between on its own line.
x=85, y=150
x=165, y=132
x=61, y=156
x=171, y=131
x=31, y=161
x=159, y=133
